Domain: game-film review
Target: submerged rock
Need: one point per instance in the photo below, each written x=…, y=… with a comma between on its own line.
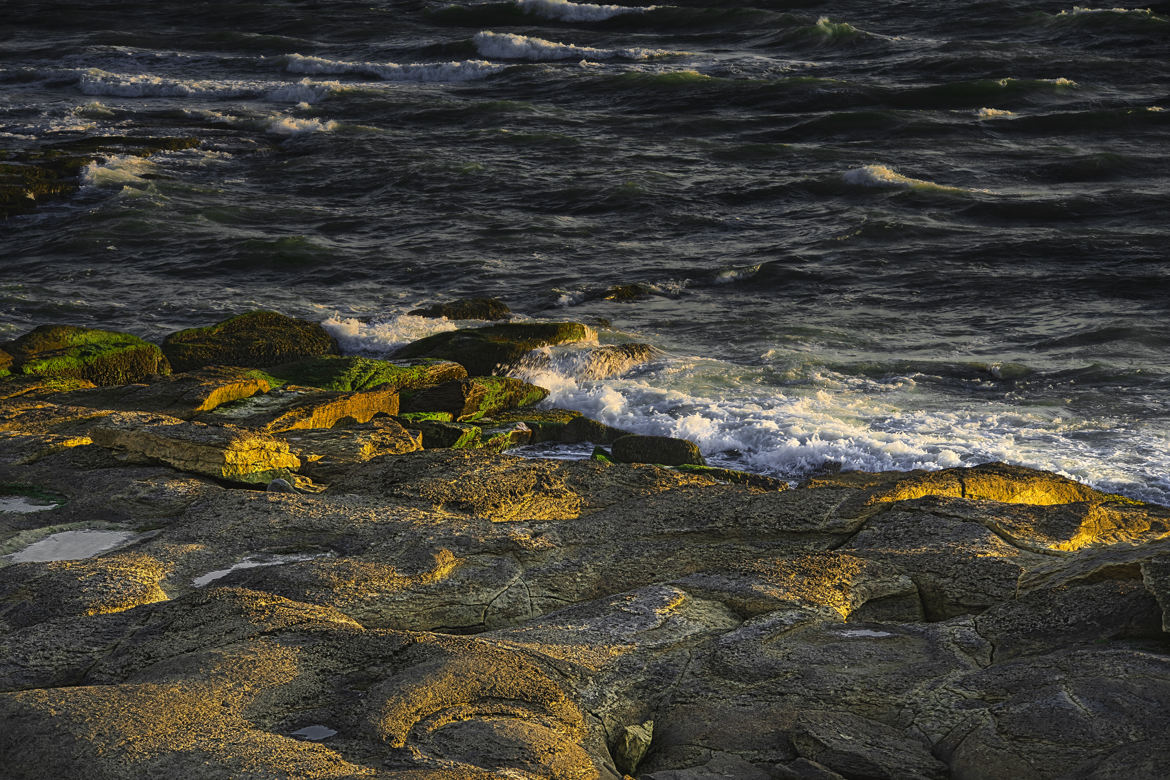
x=100, y=356
x=467, y=309
x=255, y=339
x=663, y=450
x=483, y=350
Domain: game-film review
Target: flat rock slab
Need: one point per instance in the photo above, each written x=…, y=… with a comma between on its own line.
x=327, y=452
x=218, y=451
x=290, y=409
x=179, y=395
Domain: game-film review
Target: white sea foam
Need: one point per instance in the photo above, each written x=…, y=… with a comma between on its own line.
x=993, y=113
x=118, y=171
x=860, y=423
x=1081, y=10
x=99, y=82
x=508, y=46
x=379, y=338
x=466, y=70
x=880, y=176
x=287, y=126
x=563, y=10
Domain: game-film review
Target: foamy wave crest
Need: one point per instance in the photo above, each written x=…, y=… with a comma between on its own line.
x=1081, y=10
x=118, y=171
x=381, y=338
x=287, y=126
x=507, y=46
x=99, y=82
x=993, y=113
x=879, y=176
x=564, y=11
x=467, y=70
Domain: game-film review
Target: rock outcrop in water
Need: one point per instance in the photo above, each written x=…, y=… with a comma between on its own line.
x=461, y=613
x=256, y=339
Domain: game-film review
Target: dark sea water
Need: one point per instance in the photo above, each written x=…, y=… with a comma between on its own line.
x=891, y=235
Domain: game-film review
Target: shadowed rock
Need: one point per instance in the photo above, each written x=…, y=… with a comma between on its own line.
x=255, y=339
x=471, y=399
x=663, y=450
x=482, y=350
x=180, y=395
x=467, y=309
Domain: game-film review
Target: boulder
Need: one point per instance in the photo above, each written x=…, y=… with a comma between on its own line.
x=471, y=399
x=467, y=309
x=100, y=356
x=255, y=339
x=351, y=373
x=483, y=350
x=290, y=409
x=179, y=395
x=662, y=450
x=220, y=451
x=329, y=451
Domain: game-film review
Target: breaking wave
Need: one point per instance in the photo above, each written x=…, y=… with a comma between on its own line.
x=508, y=46
x=467, y=70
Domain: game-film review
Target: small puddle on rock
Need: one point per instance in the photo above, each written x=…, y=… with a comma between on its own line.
x=253, y=562
x=314, y=733
x=24, y=505
x=71, y=546
x=859, y=632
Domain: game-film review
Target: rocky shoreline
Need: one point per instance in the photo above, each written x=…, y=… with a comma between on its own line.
x=311, y=565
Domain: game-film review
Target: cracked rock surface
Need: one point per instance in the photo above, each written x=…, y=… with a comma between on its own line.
x=463, y=613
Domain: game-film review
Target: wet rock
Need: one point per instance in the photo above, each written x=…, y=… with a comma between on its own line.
x=558, y=425
x=100, y=356
x=179, y=395
x=222, y=452
x=663, y=450
x=483, y=350
x=467, y=309
x=255, y=339
x=471, y=399
x=292, y=409
x=624, y=292
x=353, y=373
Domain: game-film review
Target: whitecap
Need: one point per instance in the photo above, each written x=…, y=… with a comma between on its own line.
x=565, y=11
x=354, y=335
x=993, y=113
x=466, y=70
x=123, y=170
x=509, y=46
x=99, y=82
x=288, y=126
x=881, y=176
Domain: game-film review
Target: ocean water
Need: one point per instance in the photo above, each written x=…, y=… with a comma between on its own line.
x=886, y=235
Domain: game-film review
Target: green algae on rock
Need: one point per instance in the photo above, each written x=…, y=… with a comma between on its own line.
x=483, y=350
x=103, y=357
x=255, y=339
x=475, y=397
x=351, y=372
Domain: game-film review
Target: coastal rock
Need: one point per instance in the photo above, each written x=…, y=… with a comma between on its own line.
x=222, y=452
x=291, y=409
x=179, y=395
x=438, y=434
x=663, y=450
x=100, y=356
x=5, y=363
x=467, y=309
x=471, y=399
x=327, y=453
x=557, y=425
x=353, y=373
x=255, y=339
x=483, y=350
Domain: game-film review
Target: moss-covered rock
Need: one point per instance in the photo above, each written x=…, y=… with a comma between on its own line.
x=483, y=350
x=350, y=373
x=474, y=398
x=467, y=309
x=663, y=450
x=255, y=339
x=103, y=357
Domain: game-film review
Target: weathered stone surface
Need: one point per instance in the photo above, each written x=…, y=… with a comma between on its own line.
x=471, y=399
x=467, y=309
x=352, y=373
x=482, y=350
x=291, y=409
x=1156, y=577
x=179, y=395
x=738, y=477
x=255, y=339
x=327, y=453
x=222, y=452
x=100, y=356
x=663, y=450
